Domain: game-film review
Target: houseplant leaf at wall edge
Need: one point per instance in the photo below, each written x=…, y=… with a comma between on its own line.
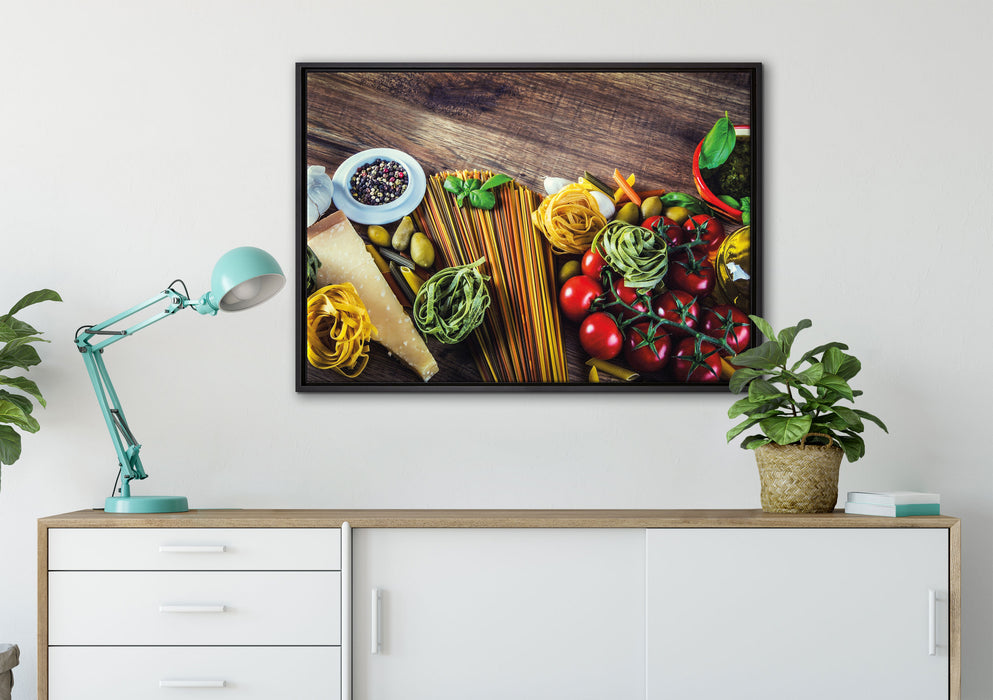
x=797, y=405
x=16, y=352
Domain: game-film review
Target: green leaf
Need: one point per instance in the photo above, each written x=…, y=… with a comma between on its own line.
x=753, y=441
x=764, y=326
x=788, y=335
x=869, y=417
x=10, y=445
x=748, y=423
x=745, y=405
x=813, y=352
x=767, y=356
x=11, y=328
x=718, y=143
x=453, y=184
x=25, y=385
x=838, y=362
x=849, y=417
x=496, y=181
x=764, y=390
x=482, y=199
x=785, y=430
x=741, y=377
x=10, y=412
x=853, y=445
x=23, y=357
x=836, y=384
x=34, y=298
x=812, y=374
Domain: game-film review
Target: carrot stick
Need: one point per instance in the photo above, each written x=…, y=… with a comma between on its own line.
x=628, y=190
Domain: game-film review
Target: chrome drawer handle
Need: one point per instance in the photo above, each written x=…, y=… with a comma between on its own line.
x=191, y=548
x=191, y=608
x=192, y=684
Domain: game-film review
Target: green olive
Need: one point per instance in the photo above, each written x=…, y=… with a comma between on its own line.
x=401, y=237
x=568, y=270
x=629, y=214
x=651, y=206
x=378, y=235
x=677, y=214
x=421, y=250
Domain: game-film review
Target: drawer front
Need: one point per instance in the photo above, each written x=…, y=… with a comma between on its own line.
x=194, y=607
x=134, y=549
x=245, y=673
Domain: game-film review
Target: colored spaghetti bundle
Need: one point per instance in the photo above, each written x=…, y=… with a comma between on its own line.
x=520, y=338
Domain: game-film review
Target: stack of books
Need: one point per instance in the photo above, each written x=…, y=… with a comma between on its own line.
x=893, y=504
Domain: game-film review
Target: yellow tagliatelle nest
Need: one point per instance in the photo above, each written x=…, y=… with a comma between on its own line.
x=570, y=219
x=338, y=330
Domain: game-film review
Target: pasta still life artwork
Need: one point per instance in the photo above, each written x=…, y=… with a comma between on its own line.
x=512, y=226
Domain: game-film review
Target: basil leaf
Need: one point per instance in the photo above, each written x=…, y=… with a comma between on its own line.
x=453, y=185
x=717, y=144
x=482, y=199
x=496, y=181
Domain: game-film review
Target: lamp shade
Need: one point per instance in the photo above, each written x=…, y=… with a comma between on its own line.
x=244, y=277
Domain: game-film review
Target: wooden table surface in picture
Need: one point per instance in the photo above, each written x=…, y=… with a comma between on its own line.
x=528, y=125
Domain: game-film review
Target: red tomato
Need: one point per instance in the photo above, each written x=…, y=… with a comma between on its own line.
x=729, y=323
x=705, y=228
x=696, y=276
x=647, y=351
x=577, y=295
x=600, y=336
x=593, y=264
x=679, y=307
x=670, y=230
x=692, y=365
x=636, y=299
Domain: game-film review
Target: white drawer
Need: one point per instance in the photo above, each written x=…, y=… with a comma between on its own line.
x=133, y=549
x=194, y=607
x=247, y=673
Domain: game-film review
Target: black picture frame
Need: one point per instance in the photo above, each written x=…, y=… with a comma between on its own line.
x=479, y=93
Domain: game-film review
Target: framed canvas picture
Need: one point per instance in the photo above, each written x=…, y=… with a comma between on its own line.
x=526, y=226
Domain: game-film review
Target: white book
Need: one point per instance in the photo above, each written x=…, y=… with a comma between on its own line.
x=894, y=511
x=892, y=498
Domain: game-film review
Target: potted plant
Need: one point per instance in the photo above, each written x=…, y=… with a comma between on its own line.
x=16, y=352
x=800, y=408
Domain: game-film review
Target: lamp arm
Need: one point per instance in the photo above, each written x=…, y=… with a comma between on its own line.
x=91, y=341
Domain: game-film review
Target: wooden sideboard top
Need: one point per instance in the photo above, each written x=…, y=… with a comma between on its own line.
x=442, y=518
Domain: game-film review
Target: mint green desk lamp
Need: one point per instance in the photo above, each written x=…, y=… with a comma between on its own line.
x=242, y=278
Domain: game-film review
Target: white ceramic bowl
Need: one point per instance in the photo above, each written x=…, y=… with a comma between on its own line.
x=378, y=213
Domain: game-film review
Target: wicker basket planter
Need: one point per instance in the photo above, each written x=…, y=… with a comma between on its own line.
x=799, y=478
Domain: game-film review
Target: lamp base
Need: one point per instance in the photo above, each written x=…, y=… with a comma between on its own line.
x=146, y=504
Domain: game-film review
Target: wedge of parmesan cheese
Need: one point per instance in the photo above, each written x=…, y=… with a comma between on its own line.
x=344, y=259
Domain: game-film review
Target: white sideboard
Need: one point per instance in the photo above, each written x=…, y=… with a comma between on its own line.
x=384, y=605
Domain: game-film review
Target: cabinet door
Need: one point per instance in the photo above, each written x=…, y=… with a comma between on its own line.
x=785, y=614
x=496, y=614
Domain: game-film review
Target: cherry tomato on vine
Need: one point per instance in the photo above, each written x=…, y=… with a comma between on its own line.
x=729, y=323
x=707, y=228
x=679, y=307
x=695, y=275
x=692, y=365
x=646, y=351
x=634, y=301
x=600, y=336
x=577, y=295
x=593, y=264
x=670, y=230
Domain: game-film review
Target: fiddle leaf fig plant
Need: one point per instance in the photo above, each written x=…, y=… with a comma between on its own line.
x=790, y=399
x=16, y=352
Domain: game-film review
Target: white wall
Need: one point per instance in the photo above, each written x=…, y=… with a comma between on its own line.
x=139, y=141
